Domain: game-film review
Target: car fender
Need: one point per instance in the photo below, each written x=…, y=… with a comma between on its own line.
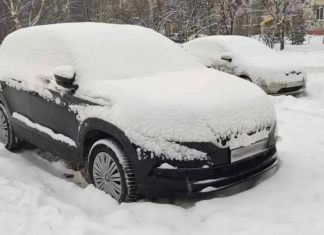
x=112, y=131
x=4, y=102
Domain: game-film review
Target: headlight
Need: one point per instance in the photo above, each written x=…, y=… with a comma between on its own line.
x=276, y=132
x=273, y=135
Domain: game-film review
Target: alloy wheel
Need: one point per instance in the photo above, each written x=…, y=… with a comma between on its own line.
x=4, y=129
x=106, y=175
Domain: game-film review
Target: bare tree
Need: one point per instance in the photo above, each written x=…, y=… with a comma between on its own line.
x=24, y=13
x=228, y=11
x=282, y=13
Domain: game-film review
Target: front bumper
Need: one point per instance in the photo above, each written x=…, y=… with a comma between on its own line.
x=184, y=181
x=292, y=88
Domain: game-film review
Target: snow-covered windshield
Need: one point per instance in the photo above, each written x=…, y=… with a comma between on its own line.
x=96, y=51
x=243, y=46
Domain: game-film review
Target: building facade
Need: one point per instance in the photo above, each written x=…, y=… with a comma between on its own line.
x=315, y=15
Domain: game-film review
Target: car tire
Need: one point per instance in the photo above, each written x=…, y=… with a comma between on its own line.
x=110, y=171
x=7, y=135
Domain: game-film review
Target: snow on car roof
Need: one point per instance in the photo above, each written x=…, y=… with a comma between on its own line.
x=210, y=49
x=95, y=50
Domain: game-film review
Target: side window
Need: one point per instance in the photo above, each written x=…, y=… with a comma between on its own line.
x=208, y=50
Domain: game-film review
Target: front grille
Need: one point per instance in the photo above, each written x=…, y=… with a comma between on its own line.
x=290, y=89
x=226, y=170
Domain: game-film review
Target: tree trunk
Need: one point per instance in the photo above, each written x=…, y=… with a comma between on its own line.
x=232, y=27
x=282, y=39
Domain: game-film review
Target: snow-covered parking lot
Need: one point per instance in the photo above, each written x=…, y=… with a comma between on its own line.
x=36, y=198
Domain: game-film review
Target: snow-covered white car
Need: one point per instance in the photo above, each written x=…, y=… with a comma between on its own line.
x=132, y=109
x=249, y=59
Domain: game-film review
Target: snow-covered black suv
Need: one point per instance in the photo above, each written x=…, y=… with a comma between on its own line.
x=132, y=109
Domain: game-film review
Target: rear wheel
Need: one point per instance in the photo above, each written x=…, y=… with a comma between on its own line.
x=7, y=135
x=110, y=171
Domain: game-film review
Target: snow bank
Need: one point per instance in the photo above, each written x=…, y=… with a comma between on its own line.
x=250, y=58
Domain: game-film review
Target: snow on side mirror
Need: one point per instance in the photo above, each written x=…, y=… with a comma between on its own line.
x=65, y=77
x=227, y=58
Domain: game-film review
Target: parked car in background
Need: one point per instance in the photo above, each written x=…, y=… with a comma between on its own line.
x=177, y=37
x=251, y=60
x=132, y=109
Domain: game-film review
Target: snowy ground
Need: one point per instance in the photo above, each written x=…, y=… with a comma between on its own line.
x=309, y=55
x=35, y=197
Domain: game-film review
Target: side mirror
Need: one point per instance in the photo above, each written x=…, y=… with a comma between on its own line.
x=227, y=58
x=65, y=77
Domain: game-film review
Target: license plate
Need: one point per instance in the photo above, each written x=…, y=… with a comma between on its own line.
x=249, y=151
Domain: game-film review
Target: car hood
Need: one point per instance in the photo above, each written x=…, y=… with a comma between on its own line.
x=201, y=105
x=273, y=68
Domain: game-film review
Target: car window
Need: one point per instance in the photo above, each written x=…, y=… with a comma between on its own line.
x=208, y=51
x=244, y=46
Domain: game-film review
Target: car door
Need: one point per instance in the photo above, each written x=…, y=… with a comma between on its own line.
x=16, y=97
x=223, y=62
x=57, y=129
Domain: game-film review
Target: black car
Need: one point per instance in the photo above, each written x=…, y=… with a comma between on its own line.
x=132, y=110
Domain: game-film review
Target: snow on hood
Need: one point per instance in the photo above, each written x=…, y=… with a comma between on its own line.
x=191, y=106
x=271, y=68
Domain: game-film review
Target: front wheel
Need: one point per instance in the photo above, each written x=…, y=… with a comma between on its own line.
x=7, y=135
x=110, y=171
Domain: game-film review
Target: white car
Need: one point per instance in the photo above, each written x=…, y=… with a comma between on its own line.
x=132, y=109
x=248, y=58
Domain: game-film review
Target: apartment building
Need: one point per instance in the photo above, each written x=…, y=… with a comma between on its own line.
x=315, y=13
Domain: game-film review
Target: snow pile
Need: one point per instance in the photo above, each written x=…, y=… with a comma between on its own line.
x=249, y=58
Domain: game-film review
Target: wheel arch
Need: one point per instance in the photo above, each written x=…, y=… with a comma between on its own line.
x=94, y=129
x=246, y=77
x=5, y=104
